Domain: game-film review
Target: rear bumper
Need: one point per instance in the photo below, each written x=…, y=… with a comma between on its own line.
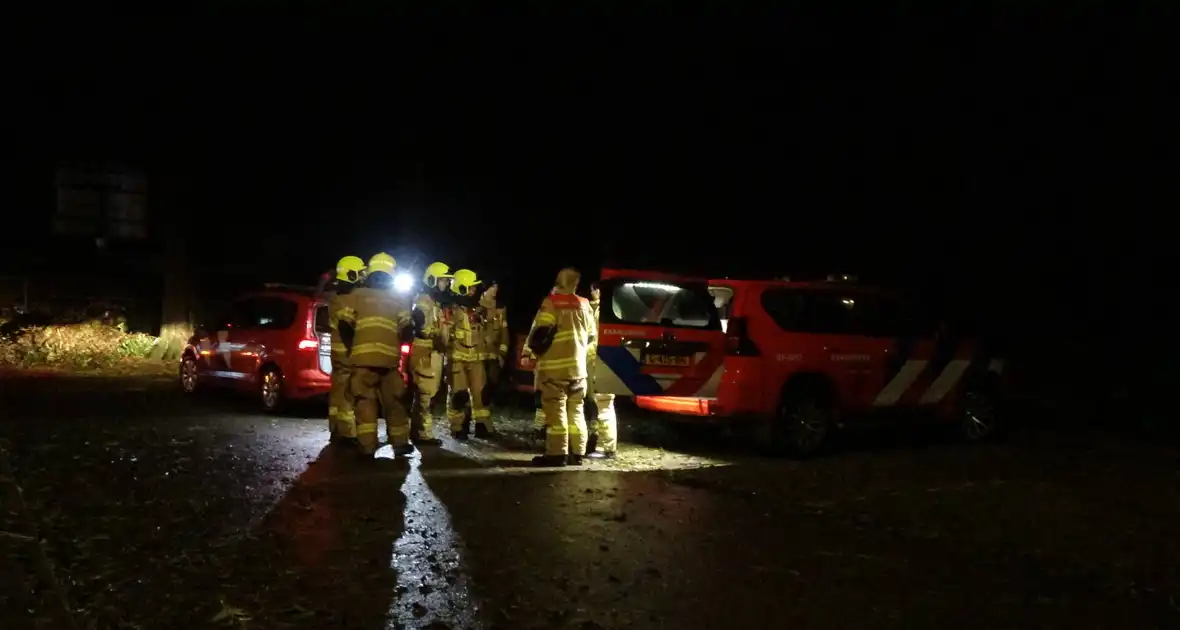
x=308, y=384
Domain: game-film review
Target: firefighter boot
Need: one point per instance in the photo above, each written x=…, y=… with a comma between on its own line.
x=573, y=460
x=549, y=461
x=482, y=431
x=601, y=455
x=404, y=450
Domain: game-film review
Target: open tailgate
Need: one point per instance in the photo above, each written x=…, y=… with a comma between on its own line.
x=658, y=335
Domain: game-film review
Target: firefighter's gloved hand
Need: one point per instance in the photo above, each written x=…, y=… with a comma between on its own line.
x=541, y=339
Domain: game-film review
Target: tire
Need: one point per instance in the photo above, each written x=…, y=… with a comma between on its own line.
x=802, y=425
x=270, y=389
x=188, y=375
x=979, y=412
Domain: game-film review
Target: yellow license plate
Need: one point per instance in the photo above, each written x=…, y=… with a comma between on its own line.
x=667, y=360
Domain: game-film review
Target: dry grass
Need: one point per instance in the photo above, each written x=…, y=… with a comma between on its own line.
x=79, y=346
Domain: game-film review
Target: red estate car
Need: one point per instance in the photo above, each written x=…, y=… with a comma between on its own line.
x=808, y=355
x=275, y=343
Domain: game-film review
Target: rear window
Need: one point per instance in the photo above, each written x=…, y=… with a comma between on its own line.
x=685, y=305
x=835, y=312
x=264, y=313
x=321, y=319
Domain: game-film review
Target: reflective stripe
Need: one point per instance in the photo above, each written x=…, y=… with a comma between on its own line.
x=362, y=429
x=556, y=364
x=546, y=319
x=465, y=355
x=348, y=414
x=424, y=343
x=376, y=322
x=564, y=335
x=340, y=347
x=481, y=413
x=375, y=347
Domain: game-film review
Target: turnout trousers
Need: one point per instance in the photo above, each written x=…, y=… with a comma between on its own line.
x=565, y=418
x=377, y=389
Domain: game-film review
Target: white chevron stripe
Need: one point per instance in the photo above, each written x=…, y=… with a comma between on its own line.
x=945, y=381
x=900, y=383
x=709, y=389
x=607, y=382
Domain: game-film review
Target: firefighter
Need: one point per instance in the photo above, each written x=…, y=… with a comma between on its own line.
x=467, y=376
x=494, y=346
x=342, y=321
x=606, y=429
x=563, y=331
x=426, y=350
x=382, y=320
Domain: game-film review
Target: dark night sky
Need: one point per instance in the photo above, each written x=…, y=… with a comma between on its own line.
x=993, y=146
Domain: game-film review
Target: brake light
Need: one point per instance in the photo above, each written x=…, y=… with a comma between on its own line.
x=737, y=339
x=405, y=348
x=308, y=344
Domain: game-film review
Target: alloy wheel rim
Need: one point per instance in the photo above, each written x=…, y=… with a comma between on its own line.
x=270, y=390
x=980, y=416
x=810, y=424
x=188, y=376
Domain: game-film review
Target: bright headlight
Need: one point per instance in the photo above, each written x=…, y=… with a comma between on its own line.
x=403, y=283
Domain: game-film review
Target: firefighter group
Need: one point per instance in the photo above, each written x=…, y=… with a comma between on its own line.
x=458, y=340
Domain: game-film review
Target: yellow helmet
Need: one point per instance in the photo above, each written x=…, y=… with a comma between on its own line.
x=464, y=282
x=435, y=271
x=382, y=262
x=350, y=269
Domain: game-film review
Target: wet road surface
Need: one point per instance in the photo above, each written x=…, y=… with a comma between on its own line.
x=161, y=511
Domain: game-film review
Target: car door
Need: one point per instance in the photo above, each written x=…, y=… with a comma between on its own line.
x=271, y=319
x=227, y=341
x=658, y=335
x=821, y=333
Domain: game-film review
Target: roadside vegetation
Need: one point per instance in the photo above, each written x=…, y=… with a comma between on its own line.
x=92, y=344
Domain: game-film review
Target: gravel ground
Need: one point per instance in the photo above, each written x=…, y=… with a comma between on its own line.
x=161, y=511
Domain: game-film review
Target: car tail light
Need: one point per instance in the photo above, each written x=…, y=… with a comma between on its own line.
x=405, y=348
x=737, y=339
x=308, y=344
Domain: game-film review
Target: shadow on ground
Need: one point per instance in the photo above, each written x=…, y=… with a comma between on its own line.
x=322, y=557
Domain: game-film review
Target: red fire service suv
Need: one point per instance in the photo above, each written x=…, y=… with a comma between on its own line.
x=275, y=343
x=808, y=355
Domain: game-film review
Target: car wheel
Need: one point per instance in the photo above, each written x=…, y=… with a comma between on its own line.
x=270, y=388
x=979, y=412
x=188, y=375
x=802, y=425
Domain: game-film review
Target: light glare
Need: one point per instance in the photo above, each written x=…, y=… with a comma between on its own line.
x=657, y=286
x=403, y=282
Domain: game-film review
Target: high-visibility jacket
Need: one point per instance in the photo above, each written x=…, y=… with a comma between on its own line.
x=466, y=330
x=494, y=341
x=381, y=315
x=565, y=359
x=341, y=309
x=431, y=331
